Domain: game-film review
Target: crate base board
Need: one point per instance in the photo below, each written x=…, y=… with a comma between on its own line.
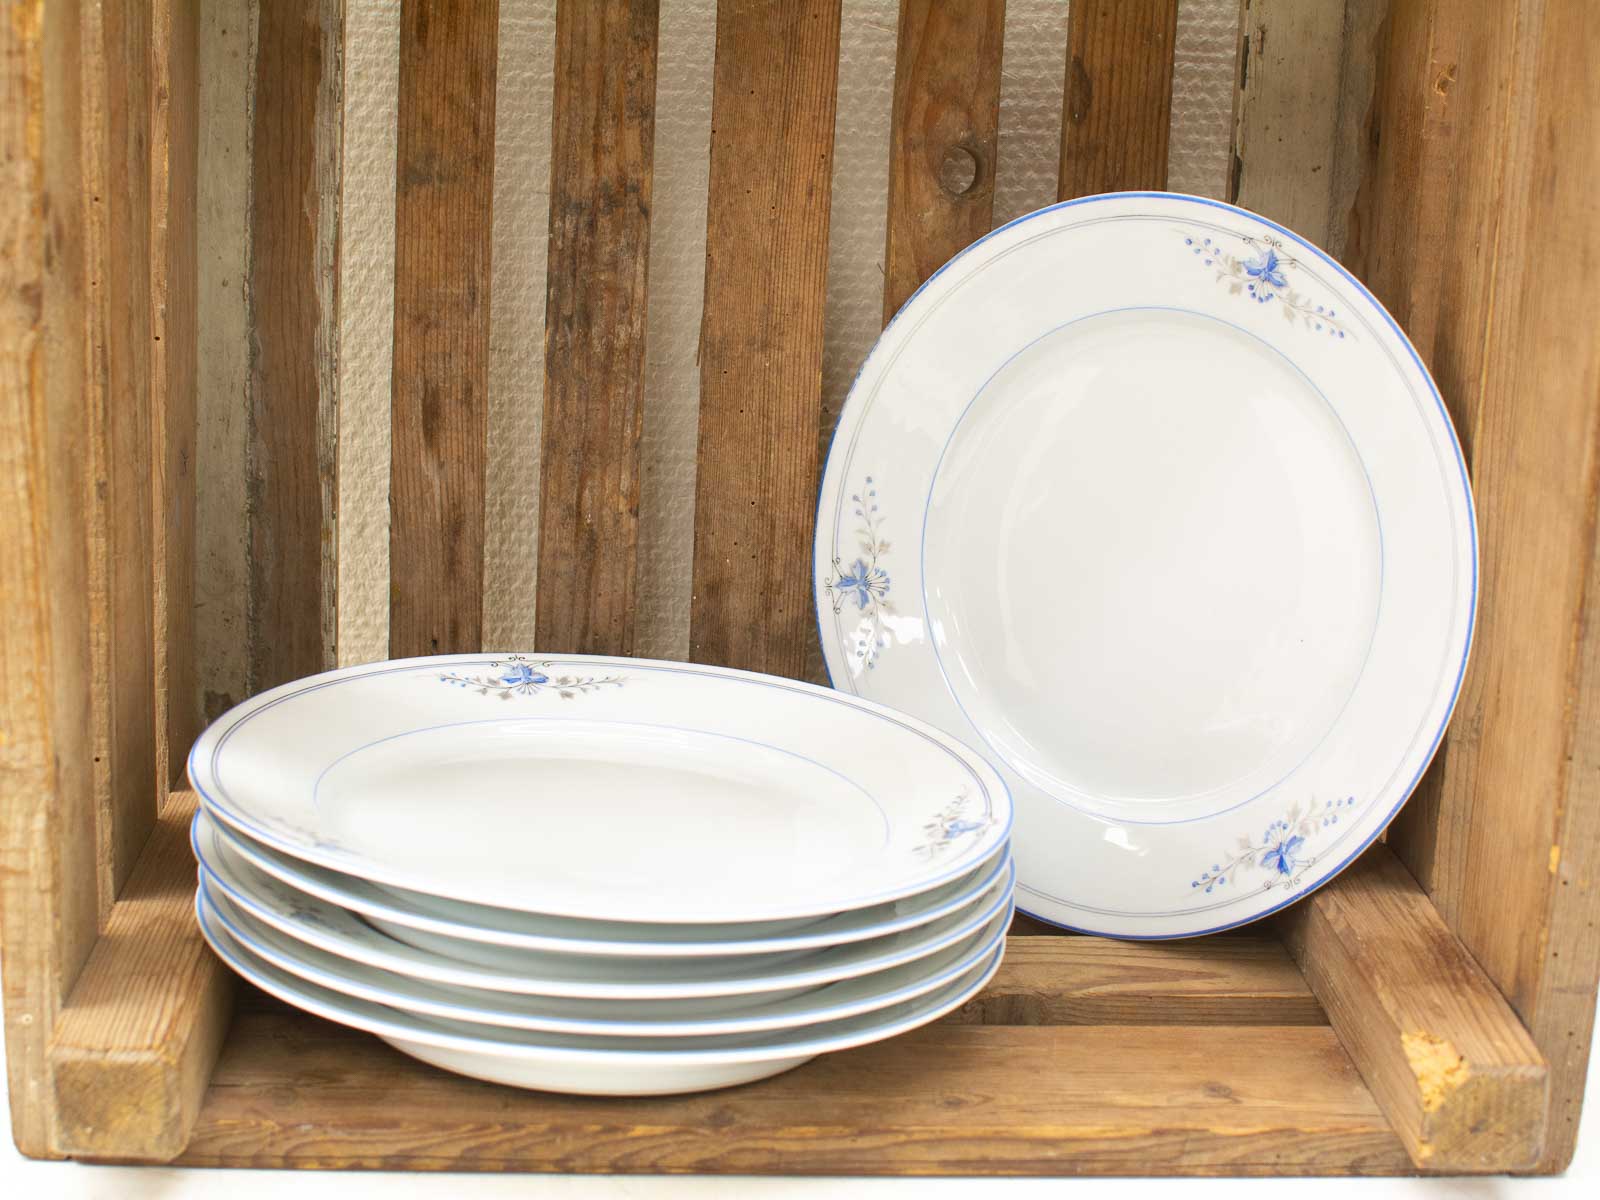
x=292, y=1090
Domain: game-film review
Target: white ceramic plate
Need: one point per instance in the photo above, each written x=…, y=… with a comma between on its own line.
x=728, y=981
x=1147, y=499
x=478, y=933
x=609, y=1018
x=603, y=788
x=594, y=1065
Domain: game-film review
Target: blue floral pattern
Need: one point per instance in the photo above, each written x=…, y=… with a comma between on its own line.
x=1279, y=856
x=1261, y=273
x=950, y=824
x=863, y=582
x=517, y=675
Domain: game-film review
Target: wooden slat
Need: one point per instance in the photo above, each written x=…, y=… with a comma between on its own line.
x=945, y=124
x=1463, y=1084
x=117, y=228
x=772, y=110
x=600, y=172
x=133, y=1049
x=444, y=202
x=1489, y=261
x=174, y=157
x=1118, y=96
x=293, y=413
x=1287, y=112
x=48, y=890
x=947, y=1100
x=1095, y=981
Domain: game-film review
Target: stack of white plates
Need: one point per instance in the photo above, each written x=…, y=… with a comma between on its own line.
x=599, y=875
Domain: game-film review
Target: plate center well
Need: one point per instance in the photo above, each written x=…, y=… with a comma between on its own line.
x=614, y=820
x=1151, y=565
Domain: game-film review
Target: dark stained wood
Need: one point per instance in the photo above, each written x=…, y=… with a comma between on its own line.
x=772, y=111
x=600, y=169
x=293, y=417
x=1118, y=96
x=1462, y=1082
x=1475, y=227
x=945, y=125
x=950, y=1099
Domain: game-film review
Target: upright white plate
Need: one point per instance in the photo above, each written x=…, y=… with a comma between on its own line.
x=1149, y=500
x=603, y=788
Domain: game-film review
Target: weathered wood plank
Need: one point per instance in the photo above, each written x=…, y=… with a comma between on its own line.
x=1118, y=96
x=942, y=138
x=947, y=1100
x=1489, y=262
x=48, y=880
x=772, y=111
x=444, y=202
x=1239, y=980
x=117, y=245
x=132, y=1052
x=1463, y=1084
x=600, y=172
x=293, y=408
x=174, y=284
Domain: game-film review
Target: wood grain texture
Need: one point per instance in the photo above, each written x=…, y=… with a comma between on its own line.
x=945, y=122
x=1492, y=272
x=1118, y=96
x=133, y=1049
x=772, y=110
x=174, y=289
x=293, y=409
x=444, y=201
x=600, y=172
x=1096, y=981
x=1287, y=112
x=1462, y=1082
x=950, y=1099
x=48, y=877
x=117, y=252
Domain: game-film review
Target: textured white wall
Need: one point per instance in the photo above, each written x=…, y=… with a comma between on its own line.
x=1030, y=122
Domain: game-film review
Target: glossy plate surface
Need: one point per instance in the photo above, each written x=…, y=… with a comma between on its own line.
x=606, y=789
x=727, y=982
x=482, y=934
x=1149, y=501
x=593, y=1065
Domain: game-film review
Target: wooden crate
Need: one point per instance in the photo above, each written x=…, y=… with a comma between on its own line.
x=1428, y=1011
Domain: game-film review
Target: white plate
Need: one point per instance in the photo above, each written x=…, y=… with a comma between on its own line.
x=594, y=1065
x=730, y=981
x=1147, y=499
x=610, y=1018
x=603, y=788
x=444, y=925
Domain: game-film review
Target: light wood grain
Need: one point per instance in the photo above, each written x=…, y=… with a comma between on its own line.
x=1287, y=112
x=945, y=123
x=947, y=1100
x=1095, y=981
x=293, y=409
x=444, y=201
x=1118, y=104
x=117, y=250
x=48, y=876
x=600, y=172
x=133, y=1049
x=772, y=110
x=1462, y=1082
x=1475, y=226
x=174, y=284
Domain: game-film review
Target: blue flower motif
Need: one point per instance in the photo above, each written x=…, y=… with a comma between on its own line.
x=1265, y=269
x=518, y=674
x=1280, y=856
x=863, y=583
